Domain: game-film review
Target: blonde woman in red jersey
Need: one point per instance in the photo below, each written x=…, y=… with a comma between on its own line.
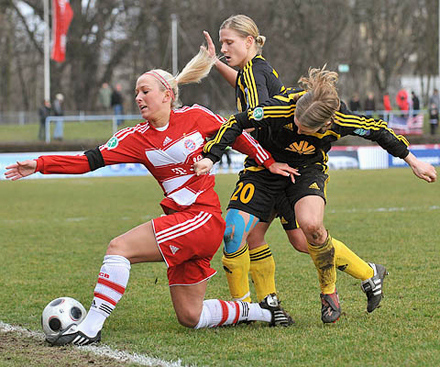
x=168, y=143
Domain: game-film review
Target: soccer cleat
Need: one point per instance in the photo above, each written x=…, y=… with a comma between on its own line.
x=330, y=310
x=73, y=336
x=279, y=316
x=373, y=287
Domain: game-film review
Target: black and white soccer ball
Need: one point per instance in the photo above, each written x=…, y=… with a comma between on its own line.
x=60, y=314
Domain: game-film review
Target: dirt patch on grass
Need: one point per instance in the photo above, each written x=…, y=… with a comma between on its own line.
x=21, y=350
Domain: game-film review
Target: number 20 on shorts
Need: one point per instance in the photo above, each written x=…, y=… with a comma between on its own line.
x=244, y=193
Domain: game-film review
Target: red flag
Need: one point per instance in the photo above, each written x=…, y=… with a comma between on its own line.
x=61, y=18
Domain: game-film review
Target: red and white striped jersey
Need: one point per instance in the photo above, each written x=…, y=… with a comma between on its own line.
x=169, y=154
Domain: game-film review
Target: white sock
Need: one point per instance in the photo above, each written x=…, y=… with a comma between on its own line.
x=112, y=281
x=216, y=312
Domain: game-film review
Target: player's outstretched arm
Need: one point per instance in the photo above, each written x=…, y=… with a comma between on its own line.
x=21, y=169
x=421, y=169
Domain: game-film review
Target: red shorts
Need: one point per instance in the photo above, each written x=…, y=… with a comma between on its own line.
x=188, y=240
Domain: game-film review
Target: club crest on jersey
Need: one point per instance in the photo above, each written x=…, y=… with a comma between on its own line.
x=190, y=145
x=258, y=114
x=112, y=143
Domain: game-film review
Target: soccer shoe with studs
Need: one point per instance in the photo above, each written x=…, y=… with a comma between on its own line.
x=73, y=336
x=279, y=316
x=330, y=310
x=373, y=287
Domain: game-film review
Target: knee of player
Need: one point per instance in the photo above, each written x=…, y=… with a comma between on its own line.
x=115, y=246
x=235, y=230
x=189, y=318
x=313, y=230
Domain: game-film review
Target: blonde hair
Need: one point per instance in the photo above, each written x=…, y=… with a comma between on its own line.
x=193, y=72
x=321, y=100
x=245, y=27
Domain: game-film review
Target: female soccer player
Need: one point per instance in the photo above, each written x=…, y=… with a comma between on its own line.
x=303, y=125
x=256, y=82
x=168, y=143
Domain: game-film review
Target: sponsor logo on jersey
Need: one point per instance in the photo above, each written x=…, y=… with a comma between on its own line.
x=112, y=143
x=362, y=132
x=314, y=185
x=174, y=249
x=258, y=114
x=166, y=140
x=289, y=126
x=190, y=145
x=302, y=147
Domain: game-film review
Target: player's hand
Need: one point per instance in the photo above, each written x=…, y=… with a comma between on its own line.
x=20, y=169
x=421, y=169
x=425, y=171
x=284, y=169
x=203, y=166
x=210, y=45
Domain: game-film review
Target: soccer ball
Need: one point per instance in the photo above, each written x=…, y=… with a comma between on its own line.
x=60, y=314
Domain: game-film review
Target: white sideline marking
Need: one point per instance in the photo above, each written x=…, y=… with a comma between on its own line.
x=77, y=219
x=102, y=350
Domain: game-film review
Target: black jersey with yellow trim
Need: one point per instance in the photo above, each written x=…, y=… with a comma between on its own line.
x=256, y=83
x=279, y=134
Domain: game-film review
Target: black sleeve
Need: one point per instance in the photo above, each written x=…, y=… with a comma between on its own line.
x=274, y=112
x=95, y=158
x=348, y=123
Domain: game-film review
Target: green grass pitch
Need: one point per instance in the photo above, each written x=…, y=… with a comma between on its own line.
x=54, y=233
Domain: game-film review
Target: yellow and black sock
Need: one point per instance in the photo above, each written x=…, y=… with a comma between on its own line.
x=262, y=271
x=323, y=257
x=236, y=266
x=348, y=262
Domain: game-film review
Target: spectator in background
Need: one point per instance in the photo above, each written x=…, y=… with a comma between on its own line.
x=386, y=102
x=415, y=102
x=370, y=105
x=58, y=110
x=117, y=102
x=433, y=118
x=105, y=97
x=402, y=102
x=44, y=111
x=355, y=104
x=435, y=99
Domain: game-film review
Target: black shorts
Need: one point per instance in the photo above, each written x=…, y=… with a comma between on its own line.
x=260, y=193
x=256, y=192
x=284, y=210
x=313, y=181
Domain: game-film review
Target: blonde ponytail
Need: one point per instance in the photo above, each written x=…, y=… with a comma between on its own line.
x=193, y=72
x=315, y=108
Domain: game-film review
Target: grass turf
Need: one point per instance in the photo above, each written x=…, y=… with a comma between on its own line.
x=54, y=234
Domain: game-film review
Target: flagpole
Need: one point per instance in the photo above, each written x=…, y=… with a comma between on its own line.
x=46, y=52
x=174, y=25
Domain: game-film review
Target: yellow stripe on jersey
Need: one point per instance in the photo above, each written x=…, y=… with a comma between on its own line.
x=358, y=121
x=254, y=169
x=367, y=124
x=274, y=112
x=252, y=87
x=327, y=133
x=219, y=134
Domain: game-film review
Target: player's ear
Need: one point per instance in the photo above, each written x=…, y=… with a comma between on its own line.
x=249, y=41
x=166, y=97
